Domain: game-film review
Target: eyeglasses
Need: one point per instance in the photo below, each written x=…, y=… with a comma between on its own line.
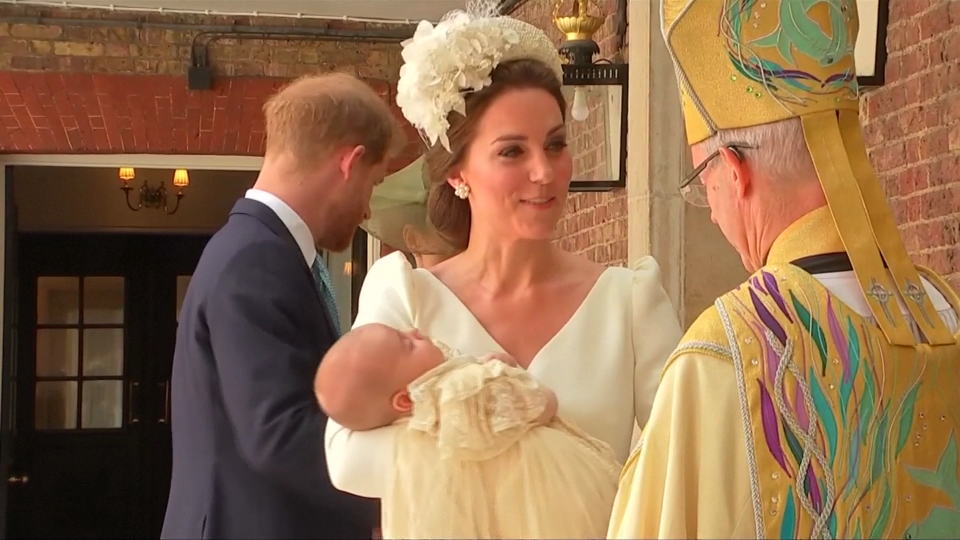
x=693, y=191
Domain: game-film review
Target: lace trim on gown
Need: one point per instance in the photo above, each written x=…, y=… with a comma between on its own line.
x=474, y=407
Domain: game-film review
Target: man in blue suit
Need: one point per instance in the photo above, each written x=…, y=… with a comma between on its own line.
x=248, y=454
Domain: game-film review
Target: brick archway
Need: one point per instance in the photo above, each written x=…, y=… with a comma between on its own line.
x=79, y=113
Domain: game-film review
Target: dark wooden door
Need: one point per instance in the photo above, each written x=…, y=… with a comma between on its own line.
x=7, y=371
x=98, y=317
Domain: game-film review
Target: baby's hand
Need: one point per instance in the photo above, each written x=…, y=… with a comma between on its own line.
x=503, y=357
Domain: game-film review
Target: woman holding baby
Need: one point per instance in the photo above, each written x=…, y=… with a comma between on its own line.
x=499, y=171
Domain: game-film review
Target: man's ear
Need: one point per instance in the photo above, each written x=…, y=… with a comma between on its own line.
x=350, y=158
x=739, y=172
x=401, y=402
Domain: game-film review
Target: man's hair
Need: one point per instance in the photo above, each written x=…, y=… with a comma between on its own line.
x=779, y=151
x=315, y=114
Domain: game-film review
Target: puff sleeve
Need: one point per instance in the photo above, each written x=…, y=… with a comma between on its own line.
x=655, y=333
x=359, y=461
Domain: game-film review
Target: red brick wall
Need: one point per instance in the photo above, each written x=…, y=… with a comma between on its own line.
x=912, y=126
x=595, y=224
x=120, y=89
x=45, y=112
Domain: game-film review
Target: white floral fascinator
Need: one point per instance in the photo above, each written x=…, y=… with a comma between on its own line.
x=443, y=62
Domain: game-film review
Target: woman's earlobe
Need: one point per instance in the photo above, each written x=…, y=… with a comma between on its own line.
x=454, y=177
x=454, y=180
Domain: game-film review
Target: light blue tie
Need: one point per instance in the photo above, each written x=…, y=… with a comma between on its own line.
x=322, y=279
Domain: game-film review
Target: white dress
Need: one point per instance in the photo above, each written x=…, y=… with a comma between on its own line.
x=604, y=364
x=474, y=461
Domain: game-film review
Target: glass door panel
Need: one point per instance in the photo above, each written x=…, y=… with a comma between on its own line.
x=79, y=353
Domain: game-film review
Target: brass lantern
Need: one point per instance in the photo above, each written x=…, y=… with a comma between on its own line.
x=599, y=90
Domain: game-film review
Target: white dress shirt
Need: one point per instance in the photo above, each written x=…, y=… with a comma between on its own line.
x=291, y=221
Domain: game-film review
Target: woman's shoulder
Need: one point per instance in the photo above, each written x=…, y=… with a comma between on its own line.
x=643, y=275
x=643, y=282
x=388, y=291
x=577, y=269
x=391, y=267
x=390, y=272
x=638, y=289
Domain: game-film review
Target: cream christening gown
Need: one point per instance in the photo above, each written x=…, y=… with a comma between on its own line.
x=604, y=365
x=473, y=462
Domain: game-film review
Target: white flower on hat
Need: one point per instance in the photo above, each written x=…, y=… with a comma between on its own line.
x=440, y=62
x=458, y=55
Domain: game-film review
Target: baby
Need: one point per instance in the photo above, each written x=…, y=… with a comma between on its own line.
x=481, y=452
x=363, y=381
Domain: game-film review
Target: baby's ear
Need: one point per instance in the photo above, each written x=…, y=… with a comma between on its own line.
x=401, y=402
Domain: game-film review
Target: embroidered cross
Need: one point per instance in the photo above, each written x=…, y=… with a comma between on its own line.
x=881, y=295
x=915, y=292
x=918, y=294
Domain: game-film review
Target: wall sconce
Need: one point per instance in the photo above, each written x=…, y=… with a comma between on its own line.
x=181, y=178
x=870, y=51
x=153, y=197
x=600, y=94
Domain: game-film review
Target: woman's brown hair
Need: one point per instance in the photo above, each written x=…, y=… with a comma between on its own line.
x=449, y=214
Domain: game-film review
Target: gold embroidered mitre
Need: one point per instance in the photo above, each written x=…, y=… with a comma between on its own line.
x=742, y=63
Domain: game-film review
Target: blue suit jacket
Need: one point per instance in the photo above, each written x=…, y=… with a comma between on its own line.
x=248, y=450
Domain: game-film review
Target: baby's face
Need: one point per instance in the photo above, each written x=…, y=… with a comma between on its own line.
x=414, y=355
x=398, y=356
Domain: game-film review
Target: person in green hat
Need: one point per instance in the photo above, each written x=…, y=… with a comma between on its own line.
x=398, y=217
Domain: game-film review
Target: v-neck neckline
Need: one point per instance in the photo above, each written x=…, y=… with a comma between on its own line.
x=536, y=357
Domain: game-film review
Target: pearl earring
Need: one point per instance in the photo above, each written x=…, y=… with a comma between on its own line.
x=462, y=190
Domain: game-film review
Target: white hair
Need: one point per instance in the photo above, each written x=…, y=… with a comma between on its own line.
x=779, y=151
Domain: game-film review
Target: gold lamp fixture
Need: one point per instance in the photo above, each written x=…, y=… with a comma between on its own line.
x=603, y=80
x=578, y=28
x=153, y=197
x=579, y=47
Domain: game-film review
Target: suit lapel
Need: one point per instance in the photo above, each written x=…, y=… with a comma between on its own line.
x=269, y=218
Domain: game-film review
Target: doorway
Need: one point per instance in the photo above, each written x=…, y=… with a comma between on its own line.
x=84, y=436
x=95, y=333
